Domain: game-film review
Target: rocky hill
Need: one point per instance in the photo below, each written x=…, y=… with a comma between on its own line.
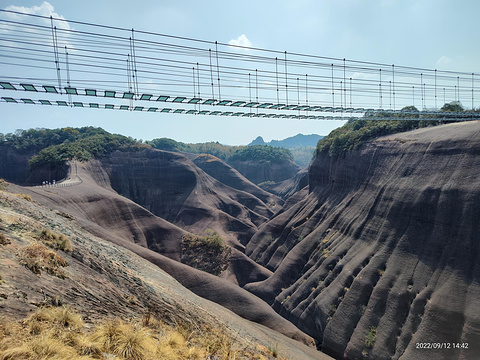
x=69, y=285
x=261, y=163
x=372, y=253
x=381, y=253
x=227, y=175
x=172, y=187
x=258, y=164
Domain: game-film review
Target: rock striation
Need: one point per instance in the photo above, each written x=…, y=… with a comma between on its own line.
x=103, y=279
x=381, y=252
x=258, y=173
x=172, y=187
x=100, y=210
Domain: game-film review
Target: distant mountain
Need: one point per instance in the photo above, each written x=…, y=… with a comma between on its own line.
x=258, y=141
x=298, y=140
x=301, y=146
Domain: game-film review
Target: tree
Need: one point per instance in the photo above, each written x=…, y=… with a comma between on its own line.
x=453, y=106
x=164, y=144
x=410, y=108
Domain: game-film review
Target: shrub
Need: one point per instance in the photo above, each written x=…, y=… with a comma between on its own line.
x=213, y=240
x=59, y=333
x=4, y=240
x=3, y=184
x=24, y=196
x=274, y=350
x=223, y=152
x=371, y=336
x=266, y=184
x=207, y=253
x=57, y=317
x=55, y=241
x=126, y=340
x=92, y=146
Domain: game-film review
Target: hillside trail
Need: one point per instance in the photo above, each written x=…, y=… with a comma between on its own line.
x=72, y=178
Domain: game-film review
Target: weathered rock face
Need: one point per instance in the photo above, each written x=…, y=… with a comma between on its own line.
x=227, y=175
x=383, y=252
x=287, y=188
x=258, y=172
x=173, y=187
x=122, y=279
x=98, y=209
x=14, y=168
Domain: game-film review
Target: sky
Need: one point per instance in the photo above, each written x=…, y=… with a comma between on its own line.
x=433, y=34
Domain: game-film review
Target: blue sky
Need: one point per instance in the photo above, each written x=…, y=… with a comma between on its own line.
x=434, y=34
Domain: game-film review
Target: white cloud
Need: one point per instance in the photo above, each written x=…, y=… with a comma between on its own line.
x=443, y=61
x=46, y=9
x=242, y=42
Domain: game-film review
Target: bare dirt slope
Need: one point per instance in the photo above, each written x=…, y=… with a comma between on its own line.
x=383, y=252
x=102, y=280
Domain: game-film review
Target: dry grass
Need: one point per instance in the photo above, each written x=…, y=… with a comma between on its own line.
x=60, y=334
x=64, y=317
x=37, y=258
x=55, y=241
x=4, y=240
x=207, y=253
x=24, y=196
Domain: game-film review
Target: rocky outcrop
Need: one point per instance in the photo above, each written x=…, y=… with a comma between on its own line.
x=172, y=187
x=98, y=209
x=287, y=188
x=260, y=172
x=227, y=175
x=103, y=280
x=14, y=168
x=381, y=254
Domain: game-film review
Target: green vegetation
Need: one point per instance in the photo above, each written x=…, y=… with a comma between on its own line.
x=95, y=146
x=357, y=132
x=303, y=155
x=262, y=154
x=54, y=147
x=266, y=184
x=371, y=337
x=223, y=152
x=166, y=144
x=34, y=140
x=207, y=253
x=301, y=146
x=454, y=106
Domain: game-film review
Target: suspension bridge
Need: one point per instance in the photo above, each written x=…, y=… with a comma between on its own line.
x=56, y=62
